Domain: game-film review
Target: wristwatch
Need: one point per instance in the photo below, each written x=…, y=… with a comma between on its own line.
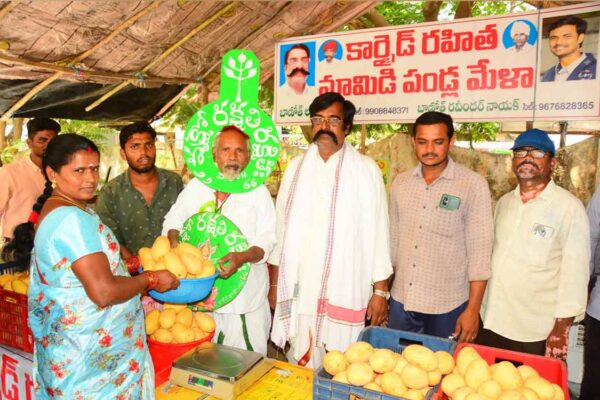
x=382, y=293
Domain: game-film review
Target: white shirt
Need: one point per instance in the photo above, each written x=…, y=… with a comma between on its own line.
x=539, y=264
x=254, y=214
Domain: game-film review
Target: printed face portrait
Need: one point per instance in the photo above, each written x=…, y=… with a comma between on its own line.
x=520, y=33
x=565, y=41
x=296, y=66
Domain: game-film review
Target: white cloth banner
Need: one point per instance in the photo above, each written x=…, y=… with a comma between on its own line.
x=478, y=69
x=16, y=382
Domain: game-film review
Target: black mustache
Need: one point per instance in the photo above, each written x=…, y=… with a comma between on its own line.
x=302, y=70
x=326, y=132
x=527, y=162
x=429, y=155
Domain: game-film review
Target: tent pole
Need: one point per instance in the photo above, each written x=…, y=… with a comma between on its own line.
x=8, y=8
x=35, y=90
x=165, y=54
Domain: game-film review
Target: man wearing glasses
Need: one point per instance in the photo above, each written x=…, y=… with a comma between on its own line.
x=540, y=258
x=332, y=252
x=441, y=238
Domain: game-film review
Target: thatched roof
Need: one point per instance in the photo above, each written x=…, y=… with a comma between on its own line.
x=74, y=52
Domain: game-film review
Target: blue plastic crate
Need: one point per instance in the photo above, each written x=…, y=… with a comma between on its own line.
x=382, y=338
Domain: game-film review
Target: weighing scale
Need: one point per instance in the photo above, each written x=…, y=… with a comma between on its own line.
x=219, y=370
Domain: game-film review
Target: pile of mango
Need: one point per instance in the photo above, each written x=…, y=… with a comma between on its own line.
x=475, y=379
x=17, y=282
x=184, y=261
x=410, y=375
x=178, y=324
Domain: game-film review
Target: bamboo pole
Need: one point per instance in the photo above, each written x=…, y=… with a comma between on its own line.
x=17, y=128
x=9, y=7
x=92, y=74
x=165, y=54
x=2, y=133
x=42, y=85
x=363, y=139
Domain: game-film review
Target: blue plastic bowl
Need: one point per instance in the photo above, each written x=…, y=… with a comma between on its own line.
x=189, y=290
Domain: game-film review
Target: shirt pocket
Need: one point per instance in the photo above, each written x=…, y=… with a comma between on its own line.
x=538, y=250
x=446, y=222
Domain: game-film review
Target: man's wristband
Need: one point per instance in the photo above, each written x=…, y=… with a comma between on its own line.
x=381, y=293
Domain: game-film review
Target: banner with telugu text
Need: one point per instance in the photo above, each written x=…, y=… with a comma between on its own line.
x=498, y=68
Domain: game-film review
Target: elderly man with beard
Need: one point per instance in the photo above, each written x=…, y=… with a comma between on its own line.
x=245, y=322
x=540, y=258
x=332, y=253
x=296, y=69
x=134, y=204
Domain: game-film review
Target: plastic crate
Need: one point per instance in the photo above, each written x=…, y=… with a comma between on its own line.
x=383, y=338
x=551, y=369
x=14, y=327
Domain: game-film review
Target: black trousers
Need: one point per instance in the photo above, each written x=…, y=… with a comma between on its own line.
x=590, y=386
x=490, y=338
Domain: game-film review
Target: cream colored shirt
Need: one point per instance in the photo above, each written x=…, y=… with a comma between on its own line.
x=21, y=183
x=539, y=264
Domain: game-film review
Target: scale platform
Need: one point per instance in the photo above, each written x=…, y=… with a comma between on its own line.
x=219, y=370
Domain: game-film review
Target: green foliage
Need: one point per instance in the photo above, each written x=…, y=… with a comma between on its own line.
x=401, y=12
x=182, y=110
x=97, y=132
x=477, y=131
x=13, y=147
x=485, y=8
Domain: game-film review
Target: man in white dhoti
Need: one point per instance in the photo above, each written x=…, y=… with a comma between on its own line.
x=246, y=321
x=332, y=247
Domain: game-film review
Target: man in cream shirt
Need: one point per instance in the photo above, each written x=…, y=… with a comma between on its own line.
x=540, y=258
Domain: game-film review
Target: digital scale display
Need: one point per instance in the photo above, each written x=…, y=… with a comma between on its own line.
x=200, y=382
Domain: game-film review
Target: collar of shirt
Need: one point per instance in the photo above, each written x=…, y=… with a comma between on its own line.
x=546, y=194
x=571, y=67
x=447, y=173
x=32, y=165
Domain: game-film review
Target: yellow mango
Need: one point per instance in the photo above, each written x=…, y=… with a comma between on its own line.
x=182, y=334
x=152, y=323
x=160, y=247
x=185, y=317
x=208, y=269
x=199, y=334
x=19, y=286
x=159, y=265
x=205, y=322
x=176, y=307
x=174, y=264
x=7, y=286
x=145, y=255
x=167, y=318
x=192, y=263
x=163, y=336
x=186, y=248
x=5, y=278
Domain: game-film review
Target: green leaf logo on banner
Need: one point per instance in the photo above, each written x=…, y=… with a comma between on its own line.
x=237, y=105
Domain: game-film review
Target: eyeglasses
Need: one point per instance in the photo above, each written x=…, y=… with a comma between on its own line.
x=534, y=153
x=332, y=121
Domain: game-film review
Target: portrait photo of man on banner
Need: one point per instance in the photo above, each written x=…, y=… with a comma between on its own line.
x=569, y=48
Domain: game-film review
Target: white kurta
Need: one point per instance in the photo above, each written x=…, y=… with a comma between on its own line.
x=254, y=214
x=360, y=254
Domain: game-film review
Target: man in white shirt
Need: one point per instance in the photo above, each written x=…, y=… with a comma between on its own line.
x=566, y=37
x=332, y=256
x=540, y=258
x=520, y=32
x=245, y=322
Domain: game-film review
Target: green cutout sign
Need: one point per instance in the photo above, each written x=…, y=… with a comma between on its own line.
x=224, y=237
x=237, y=105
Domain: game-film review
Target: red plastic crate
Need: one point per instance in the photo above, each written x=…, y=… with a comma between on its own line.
x=14, y=328
x=163, y=355
x=555, y=371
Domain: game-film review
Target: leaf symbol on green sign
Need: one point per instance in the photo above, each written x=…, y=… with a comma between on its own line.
x=236, y=71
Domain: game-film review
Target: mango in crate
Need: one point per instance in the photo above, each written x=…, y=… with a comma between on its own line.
x=17, y=282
